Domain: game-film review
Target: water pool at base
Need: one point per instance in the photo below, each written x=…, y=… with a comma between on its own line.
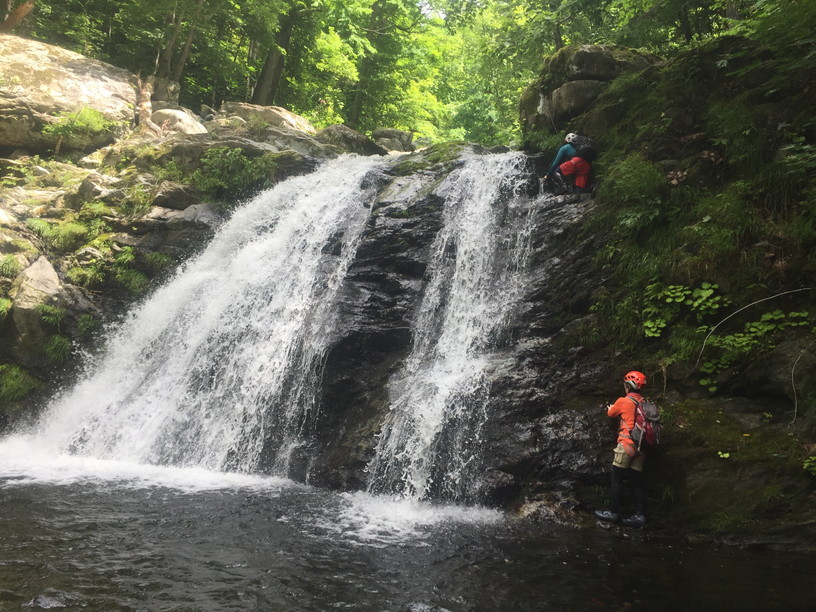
x=126, y=537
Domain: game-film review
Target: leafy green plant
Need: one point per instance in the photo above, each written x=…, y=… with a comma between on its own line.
x=86, y=325
x=52, y=315
x=633, y=179
x=158, y=261
x=132, y=280
x=61, y=236
x=57, y=348
x=9, y=266
x=256, y=125
x=16, y=384
x=226, y=172
x=137, y=202
x=86, y=122
x=5, y=307
x=756, y=335
x=663, y=304
x=89, y=276
x=810, y=464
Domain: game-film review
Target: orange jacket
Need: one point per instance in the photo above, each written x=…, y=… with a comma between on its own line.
x=580, y=168
x=625, y=409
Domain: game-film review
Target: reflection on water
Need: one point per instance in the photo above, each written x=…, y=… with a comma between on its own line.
x=114, y=536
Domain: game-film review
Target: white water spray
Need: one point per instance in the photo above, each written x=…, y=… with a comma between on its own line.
x=218, y=368
x=428, y=446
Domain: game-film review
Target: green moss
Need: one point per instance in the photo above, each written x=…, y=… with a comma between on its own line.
x=440, y=153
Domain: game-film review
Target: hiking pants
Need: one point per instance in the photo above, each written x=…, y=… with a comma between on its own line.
x=638, y=483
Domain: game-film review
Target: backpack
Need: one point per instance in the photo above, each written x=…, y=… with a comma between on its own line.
x=585, y=148
x=647, y=423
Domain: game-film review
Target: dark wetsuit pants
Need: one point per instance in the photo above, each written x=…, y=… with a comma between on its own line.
x=638, y=483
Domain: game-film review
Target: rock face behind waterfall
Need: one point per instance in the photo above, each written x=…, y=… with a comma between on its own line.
x=526, y=376
x=376, y=311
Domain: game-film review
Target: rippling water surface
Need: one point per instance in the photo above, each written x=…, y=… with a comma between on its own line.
x=77, y=533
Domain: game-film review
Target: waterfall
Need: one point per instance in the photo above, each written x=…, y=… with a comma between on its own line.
x=219, y=368
x=428, y=446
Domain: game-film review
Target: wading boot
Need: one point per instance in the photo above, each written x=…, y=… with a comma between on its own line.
x=607, y=515
x=636, y=520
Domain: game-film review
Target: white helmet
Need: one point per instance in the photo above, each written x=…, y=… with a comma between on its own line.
x=570, y=137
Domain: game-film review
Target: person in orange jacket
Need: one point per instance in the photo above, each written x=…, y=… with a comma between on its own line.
x=628, y=460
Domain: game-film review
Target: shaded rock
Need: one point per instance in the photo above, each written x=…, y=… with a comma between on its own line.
x=41, y=82
x=349, y=140
x=197, y=214
x=175, y=195
x=393, y=139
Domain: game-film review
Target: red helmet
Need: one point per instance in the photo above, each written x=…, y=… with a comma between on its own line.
x=635, y=380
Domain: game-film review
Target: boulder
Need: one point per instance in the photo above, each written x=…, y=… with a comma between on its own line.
x=349, y=140
x=571, y=99
x=175, y=195
x=393, y=139
x=570, y=81
x=95, y=187
x=37, y=285
x=275, y=116
x=43, y=84
x=177, y=120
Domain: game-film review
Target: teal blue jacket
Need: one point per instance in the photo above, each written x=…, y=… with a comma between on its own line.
x=565, y=153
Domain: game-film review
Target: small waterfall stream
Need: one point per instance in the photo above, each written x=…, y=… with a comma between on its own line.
x=428, y=447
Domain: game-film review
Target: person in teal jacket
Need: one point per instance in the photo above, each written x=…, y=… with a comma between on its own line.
x=565, y=153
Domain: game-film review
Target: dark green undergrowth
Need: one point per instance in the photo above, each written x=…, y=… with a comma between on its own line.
x=707, y=206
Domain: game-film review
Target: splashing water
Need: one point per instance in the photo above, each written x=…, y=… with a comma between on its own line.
x=428, y=446
x=218, y=369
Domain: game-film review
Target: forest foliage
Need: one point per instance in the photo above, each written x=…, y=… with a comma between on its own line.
x=443, y=69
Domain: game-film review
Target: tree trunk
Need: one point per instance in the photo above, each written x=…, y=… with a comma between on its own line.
x=364, y=69
x=266, y=87
x=181, y=61
x=164, y=68
x=13, y=19
x=685, y=26
x=356, y=110
x=558, y=37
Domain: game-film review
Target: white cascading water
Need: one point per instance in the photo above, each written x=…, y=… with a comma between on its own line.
x=428, y=446
x=218, y=368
